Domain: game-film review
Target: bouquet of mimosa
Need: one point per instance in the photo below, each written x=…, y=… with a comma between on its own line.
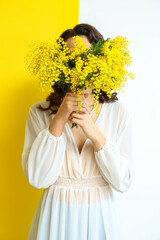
x=100, y=67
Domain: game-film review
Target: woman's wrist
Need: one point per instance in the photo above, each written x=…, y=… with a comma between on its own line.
x=98, y=141
x=56, y=126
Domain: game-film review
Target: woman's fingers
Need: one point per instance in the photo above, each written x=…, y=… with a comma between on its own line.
x=75, y=101
x=84, y=109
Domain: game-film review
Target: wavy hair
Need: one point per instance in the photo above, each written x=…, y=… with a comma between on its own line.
x=55, y=99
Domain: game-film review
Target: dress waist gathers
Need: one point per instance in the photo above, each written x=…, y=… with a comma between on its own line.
x=95, y=181
x=82, y=190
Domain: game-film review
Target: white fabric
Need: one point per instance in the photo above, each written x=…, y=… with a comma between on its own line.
x=78, y=201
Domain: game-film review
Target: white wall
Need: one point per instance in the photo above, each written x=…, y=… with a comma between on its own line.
x=139, y=21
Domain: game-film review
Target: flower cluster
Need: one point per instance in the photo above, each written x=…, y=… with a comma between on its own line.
x=100, y=67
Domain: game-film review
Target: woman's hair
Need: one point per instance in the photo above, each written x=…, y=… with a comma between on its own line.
x=55, y=99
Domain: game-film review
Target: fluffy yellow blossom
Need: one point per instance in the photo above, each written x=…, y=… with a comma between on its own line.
x=79, y=48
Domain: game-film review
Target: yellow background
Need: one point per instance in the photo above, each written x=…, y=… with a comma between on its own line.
x=22, y=23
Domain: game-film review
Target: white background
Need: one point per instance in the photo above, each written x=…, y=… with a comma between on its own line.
x=139, y=21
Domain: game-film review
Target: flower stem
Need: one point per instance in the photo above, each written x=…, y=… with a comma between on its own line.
x=74, y=125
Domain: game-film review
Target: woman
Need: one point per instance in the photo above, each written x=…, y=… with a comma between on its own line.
x=77, y=167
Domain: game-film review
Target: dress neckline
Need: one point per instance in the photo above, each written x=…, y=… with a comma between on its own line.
x=73, y=139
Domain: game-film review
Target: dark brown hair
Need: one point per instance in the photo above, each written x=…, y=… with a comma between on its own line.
x=55, y=99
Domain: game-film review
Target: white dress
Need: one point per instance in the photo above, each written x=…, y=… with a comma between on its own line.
x=78, y=201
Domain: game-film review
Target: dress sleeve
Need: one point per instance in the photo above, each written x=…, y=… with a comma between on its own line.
x=114, y=159
x=43, y=153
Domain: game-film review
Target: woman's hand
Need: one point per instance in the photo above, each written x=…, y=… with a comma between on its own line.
x=69, y=105
x=84, y=120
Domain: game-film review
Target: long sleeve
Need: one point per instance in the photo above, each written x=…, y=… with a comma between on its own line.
x=114, y=159
x=43, y=153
